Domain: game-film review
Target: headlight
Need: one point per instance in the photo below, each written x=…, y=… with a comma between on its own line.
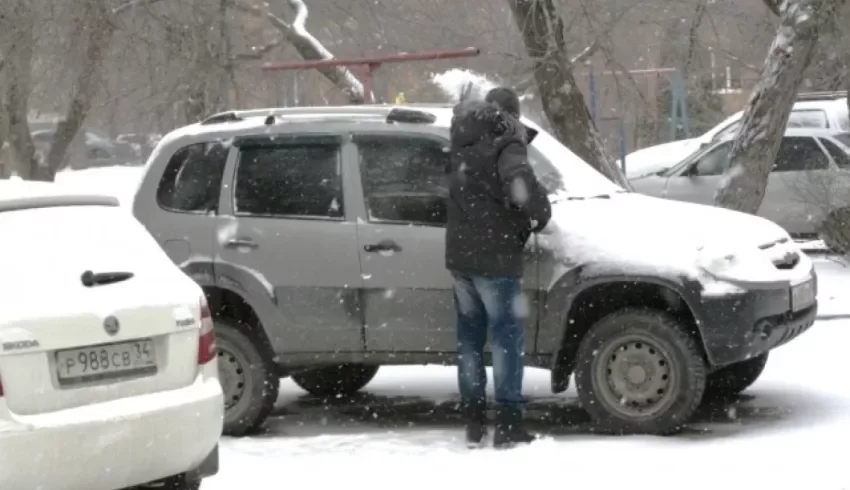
x=749, y=264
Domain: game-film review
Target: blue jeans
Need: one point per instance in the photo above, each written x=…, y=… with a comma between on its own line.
x=497, y=304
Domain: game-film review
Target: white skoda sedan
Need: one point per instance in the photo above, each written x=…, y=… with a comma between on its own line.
x=108, y=370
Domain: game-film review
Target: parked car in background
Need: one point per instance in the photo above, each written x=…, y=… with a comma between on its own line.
x=811, y=176
x=88, y=150
x=141, y=143
x=815, y=110
x=108, y=366
x=318, y=237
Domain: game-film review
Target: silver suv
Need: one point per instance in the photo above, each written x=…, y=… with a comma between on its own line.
x=317, y=234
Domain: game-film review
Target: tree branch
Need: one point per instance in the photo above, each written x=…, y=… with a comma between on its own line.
x=587, y=52
x=693, y=33
x=590, y=50
x=738, y=60
x=131, y=4
x=773, y=5
x=307, y=45
x=257, y=52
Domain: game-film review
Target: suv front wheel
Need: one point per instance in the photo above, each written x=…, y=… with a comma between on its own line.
x=638, y=371
x=332, y=381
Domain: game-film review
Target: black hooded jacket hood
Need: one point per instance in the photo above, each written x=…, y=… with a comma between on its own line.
x=495, y=201
x=475, y=120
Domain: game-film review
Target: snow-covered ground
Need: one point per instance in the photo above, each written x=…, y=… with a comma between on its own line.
x=790, y=430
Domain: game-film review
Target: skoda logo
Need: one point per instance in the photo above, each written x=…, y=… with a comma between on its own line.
x=111, y=325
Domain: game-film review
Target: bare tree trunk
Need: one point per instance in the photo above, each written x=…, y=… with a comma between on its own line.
x=14, y=99
x=766, y=115
x=308, y=46
x=562, y=100
x=94, y=31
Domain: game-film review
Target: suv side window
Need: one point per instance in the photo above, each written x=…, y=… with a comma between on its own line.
x=191, y=182
x=798, y=154
x=301, y=178
x=714, y=162
x=404, y=178
x=842, y=159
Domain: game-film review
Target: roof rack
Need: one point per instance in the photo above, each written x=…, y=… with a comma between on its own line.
x=834, y=95
x=392, y=113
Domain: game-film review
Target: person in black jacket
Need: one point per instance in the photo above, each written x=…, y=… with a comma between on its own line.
x=495, y=204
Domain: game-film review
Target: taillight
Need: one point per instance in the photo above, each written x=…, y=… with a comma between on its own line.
x=207, y=349
x=1, y=388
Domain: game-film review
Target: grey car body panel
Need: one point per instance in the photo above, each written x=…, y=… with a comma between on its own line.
x=566, y=287
x=309, y=267
x=408, y=296
x=321, y=298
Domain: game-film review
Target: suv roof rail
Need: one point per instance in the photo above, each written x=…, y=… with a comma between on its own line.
x=393, y=113
x=834, y=95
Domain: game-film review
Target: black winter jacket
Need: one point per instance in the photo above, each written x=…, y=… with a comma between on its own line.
x=495, y=201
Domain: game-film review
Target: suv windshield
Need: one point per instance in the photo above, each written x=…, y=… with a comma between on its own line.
x=568, y=173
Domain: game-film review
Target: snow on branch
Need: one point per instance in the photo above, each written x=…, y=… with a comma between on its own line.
x=591, y=49
x=586, y=52
x=307, y=45
x=257, y=52
x=131, y=4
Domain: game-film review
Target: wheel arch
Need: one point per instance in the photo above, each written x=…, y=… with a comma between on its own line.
x=581, y=302
x=238, y=295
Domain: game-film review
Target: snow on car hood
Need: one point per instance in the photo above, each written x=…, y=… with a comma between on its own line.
x=647, y=161
x=633, y=233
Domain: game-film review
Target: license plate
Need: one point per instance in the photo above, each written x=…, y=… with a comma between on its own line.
x=802, y=295
x=99, y=362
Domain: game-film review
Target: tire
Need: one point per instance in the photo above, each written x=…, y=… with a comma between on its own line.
x=655, y=384
x=333, y=381
x=249, y=379
x=735, y=378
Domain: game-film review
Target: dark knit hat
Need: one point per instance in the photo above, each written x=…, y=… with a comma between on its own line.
x=505, y=98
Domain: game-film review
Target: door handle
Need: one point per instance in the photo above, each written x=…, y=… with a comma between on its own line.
x=382, y=246
x=241, y=242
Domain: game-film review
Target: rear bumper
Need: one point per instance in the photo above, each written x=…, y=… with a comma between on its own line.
x=739, y=327
x=115, y=444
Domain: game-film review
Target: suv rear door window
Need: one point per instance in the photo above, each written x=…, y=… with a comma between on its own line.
x=297, y=179
x=800, y=154
x=842, y=159
x=191, y=181
x=404, y=179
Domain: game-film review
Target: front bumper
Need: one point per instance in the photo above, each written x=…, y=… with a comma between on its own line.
x=116, y=444
x=736, y=328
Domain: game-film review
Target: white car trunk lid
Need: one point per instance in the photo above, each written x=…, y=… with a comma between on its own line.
x=66, y=341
